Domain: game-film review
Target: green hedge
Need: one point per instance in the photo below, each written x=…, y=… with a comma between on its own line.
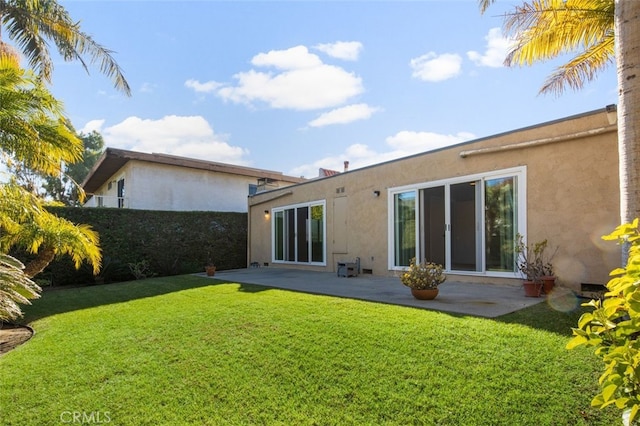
x=170, y=243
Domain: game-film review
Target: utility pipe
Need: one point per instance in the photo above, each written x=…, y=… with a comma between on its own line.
x=537, y=142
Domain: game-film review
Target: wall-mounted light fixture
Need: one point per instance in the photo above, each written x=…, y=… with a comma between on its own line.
x=376, y=193
x=266, y=214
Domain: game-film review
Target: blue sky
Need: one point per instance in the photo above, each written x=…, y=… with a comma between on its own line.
x=298, y=85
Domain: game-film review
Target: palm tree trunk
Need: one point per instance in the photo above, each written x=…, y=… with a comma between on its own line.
x=37, y=265
x=627, y=30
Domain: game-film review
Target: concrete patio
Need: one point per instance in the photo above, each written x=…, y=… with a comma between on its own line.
x=483, y=300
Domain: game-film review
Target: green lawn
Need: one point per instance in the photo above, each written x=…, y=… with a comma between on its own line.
x=190, y=350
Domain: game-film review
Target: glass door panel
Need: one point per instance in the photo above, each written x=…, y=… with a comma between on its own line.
x=404, y=227
x=500, y=223
x=433, y=225
x=317, y=234
x=464, y=234
x=289, y=235
x=302, y=236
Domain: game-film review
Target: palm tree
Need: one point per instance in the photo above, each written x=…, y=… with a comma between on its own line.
x=33, y=129
x=602, y=32
x=27, y=225
x=15, y=288
x=34, y=132
x=32, y=23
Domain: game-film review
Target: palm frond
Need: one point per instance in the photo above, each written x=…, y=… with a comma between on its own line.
x=581, y=69
x=30, y=23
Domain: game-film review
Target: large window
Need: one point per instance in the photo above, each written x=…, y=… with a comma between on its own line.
x=467, y=224
x=298, y=233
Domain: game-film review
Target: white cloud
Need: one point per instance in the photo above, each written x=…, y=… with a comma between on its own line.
x=302, y=82
x=176, y=135
x=345, y=50
x=496, y=51
x=434, y=68
x=290, y=59
x=344, y=115
x=198, y=87
x=402, y=144
x=93, y=125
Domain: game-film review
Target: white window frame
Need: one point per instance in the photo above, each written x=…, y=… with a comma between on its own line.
x=521, y=217
x=309, y=205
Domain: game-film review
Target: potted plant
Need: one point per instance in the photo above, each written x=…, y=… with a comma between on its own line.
x=210, y=269
x=423, y=279
x=548, y=278
x=535, y=266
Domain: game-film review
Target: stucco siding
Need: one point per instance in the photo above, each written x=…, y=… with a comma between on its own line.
x=572, y=198
x=161, y=187
x=151, y=186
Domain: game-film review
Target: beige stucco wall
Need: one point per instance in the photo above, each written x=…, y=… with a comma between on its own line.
x=572, y=198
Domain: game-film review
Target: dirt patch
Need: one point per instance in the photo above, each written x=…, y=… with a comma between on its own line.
x=12, y=335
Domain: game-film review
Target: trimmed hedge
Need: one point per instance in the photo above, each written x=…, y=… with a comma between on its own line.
x=162, y=242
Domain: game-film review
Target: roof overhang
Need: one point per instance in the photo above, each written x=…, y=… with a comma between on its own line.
x=114, y=159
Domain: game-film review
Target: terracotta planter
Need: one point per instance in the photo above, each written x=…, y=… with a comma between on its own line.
x=548, y=282
x=427, y=294
x=211, y=270
x=532, y=289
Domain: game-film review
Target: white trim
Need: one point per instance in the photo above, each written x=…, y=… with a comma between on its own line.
x=309, y=204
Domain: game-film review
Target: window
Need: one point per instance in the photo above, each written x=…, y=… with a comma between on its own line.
x=253, y=189
x=298, y=233
x=120, y=193
x=468, y=224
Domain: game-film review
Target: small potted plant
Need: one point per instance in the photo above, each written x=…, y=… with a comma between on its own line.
x=535, y=266
x=210, y=269
x=423, y=279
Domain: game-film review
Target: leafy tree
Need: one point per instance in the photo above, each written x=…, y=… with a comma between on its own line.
x=65, y=187
x=32, y=24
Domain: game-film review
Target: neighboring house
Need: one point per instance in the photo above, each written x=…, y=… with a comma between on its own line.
x=461, y=206
x=136, y=180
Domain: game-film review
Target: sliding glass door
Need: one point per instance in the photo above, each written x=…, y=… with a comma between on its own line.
x=468, y=225
x=298, y=233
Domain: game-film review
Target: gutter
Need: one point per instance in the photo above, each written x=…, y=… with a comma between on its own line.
x=538, y=142
x=284, y=194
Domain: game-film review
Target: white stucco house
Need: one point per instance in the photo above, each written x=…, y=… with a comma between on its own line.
x=136, y=180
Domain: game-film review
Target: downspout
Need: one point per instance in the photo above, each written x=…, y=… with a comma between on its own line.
x=538, y=142
x=248, y=233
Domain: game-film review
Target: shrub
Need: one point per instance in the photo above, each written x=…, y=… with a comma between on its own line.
x=613, y=328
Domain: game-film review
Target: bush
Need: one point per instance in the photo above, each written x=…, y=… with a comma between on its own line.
x=613, y=328
x=172, y=243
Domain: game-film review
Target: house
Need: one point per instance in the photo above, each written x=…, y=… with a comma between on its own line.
x=136, y=180
x=461, y=206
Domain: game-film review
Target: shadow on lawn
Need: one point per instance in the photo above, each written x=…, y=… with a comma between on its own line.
x=60, y=300
x=557, y=315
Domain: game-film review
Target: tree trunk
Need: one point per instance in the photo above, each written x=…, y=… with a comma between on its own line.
x=627, y=32
x=37, y=265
